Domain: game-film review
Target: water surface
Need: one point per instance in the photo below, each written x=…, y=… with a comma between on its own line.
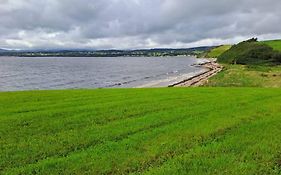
x=20, y=73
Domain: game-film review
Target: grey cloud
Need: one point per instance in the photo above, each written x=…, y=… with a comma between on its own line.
x=134, y=23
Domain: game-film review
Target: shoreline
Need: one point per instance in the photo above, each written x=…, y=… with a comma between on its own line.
x=209, y=67
x=200, y=79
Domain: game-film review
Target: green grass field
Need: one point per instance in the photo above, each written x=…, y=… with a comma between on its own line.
x=275, y=44
x=247, y=76
x=216, y=52
x=141, y=131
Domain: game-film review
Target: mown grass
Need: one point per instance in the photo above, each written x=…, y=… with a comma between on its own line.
x=275, y=44
x=141, y=131
x=247, y=76
x=216, y=52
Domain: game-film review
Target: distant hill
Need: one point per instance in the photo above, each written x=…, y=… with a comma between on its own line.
x=108, y=53
x=3, y=50
x=251, y=52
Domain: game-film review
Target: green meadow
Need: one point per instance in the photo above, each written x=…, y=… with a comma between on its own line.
x=247, y=76
x=275, y=44
x=216, y=52
x=141, y=131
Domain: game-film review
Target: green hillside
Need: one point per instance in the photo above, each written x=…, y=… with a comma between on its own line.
x=247, y=76
x=275, y=44
x=216, y=52
x=250, y=64
x=141, y=131
x=251, y=52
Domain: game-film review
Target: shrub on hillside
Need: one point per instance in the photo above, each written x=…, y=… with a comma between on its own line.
x=277, y=57
x=250, y=52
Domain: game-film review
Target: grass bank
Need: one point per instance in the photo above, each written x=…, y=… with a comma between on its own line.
x=141, y=131
x=216, y=52
x=247, y=76
x=275, y=44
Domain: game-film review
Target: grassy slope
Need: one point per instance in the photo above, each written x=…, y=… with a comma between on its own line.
x=147, y=131
x=243, y=76
x=216, y=52
x=275, y=44
x=250, y=52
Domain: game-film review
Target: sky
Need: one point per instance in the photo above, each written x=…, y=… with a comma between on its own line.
x=133, y=24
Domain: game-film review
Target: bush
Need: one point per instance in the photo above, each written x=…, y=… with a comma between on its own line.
x=250, y=52
x=277, y=57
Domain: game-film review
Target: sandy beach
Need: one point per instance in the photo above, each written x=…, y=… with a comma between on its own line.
x=213, y=68
x=209, y=68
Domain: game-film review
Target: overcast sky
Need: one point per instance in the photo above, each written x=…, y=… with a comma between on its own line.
x=129, y=24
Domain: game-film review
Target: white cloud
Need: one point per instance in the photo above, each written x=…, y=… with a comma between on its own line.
x=124, y=24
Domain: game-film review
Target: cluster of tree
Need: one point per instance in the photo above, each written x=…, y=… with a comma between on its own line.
x=251, y=52
x=107, y=53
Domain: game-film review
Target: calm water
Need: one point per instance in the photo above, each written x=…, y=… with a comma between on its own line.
x=70, y=73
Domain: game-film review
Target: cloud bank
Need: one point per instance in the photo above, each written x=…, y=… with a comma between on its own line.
x=129, y=24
